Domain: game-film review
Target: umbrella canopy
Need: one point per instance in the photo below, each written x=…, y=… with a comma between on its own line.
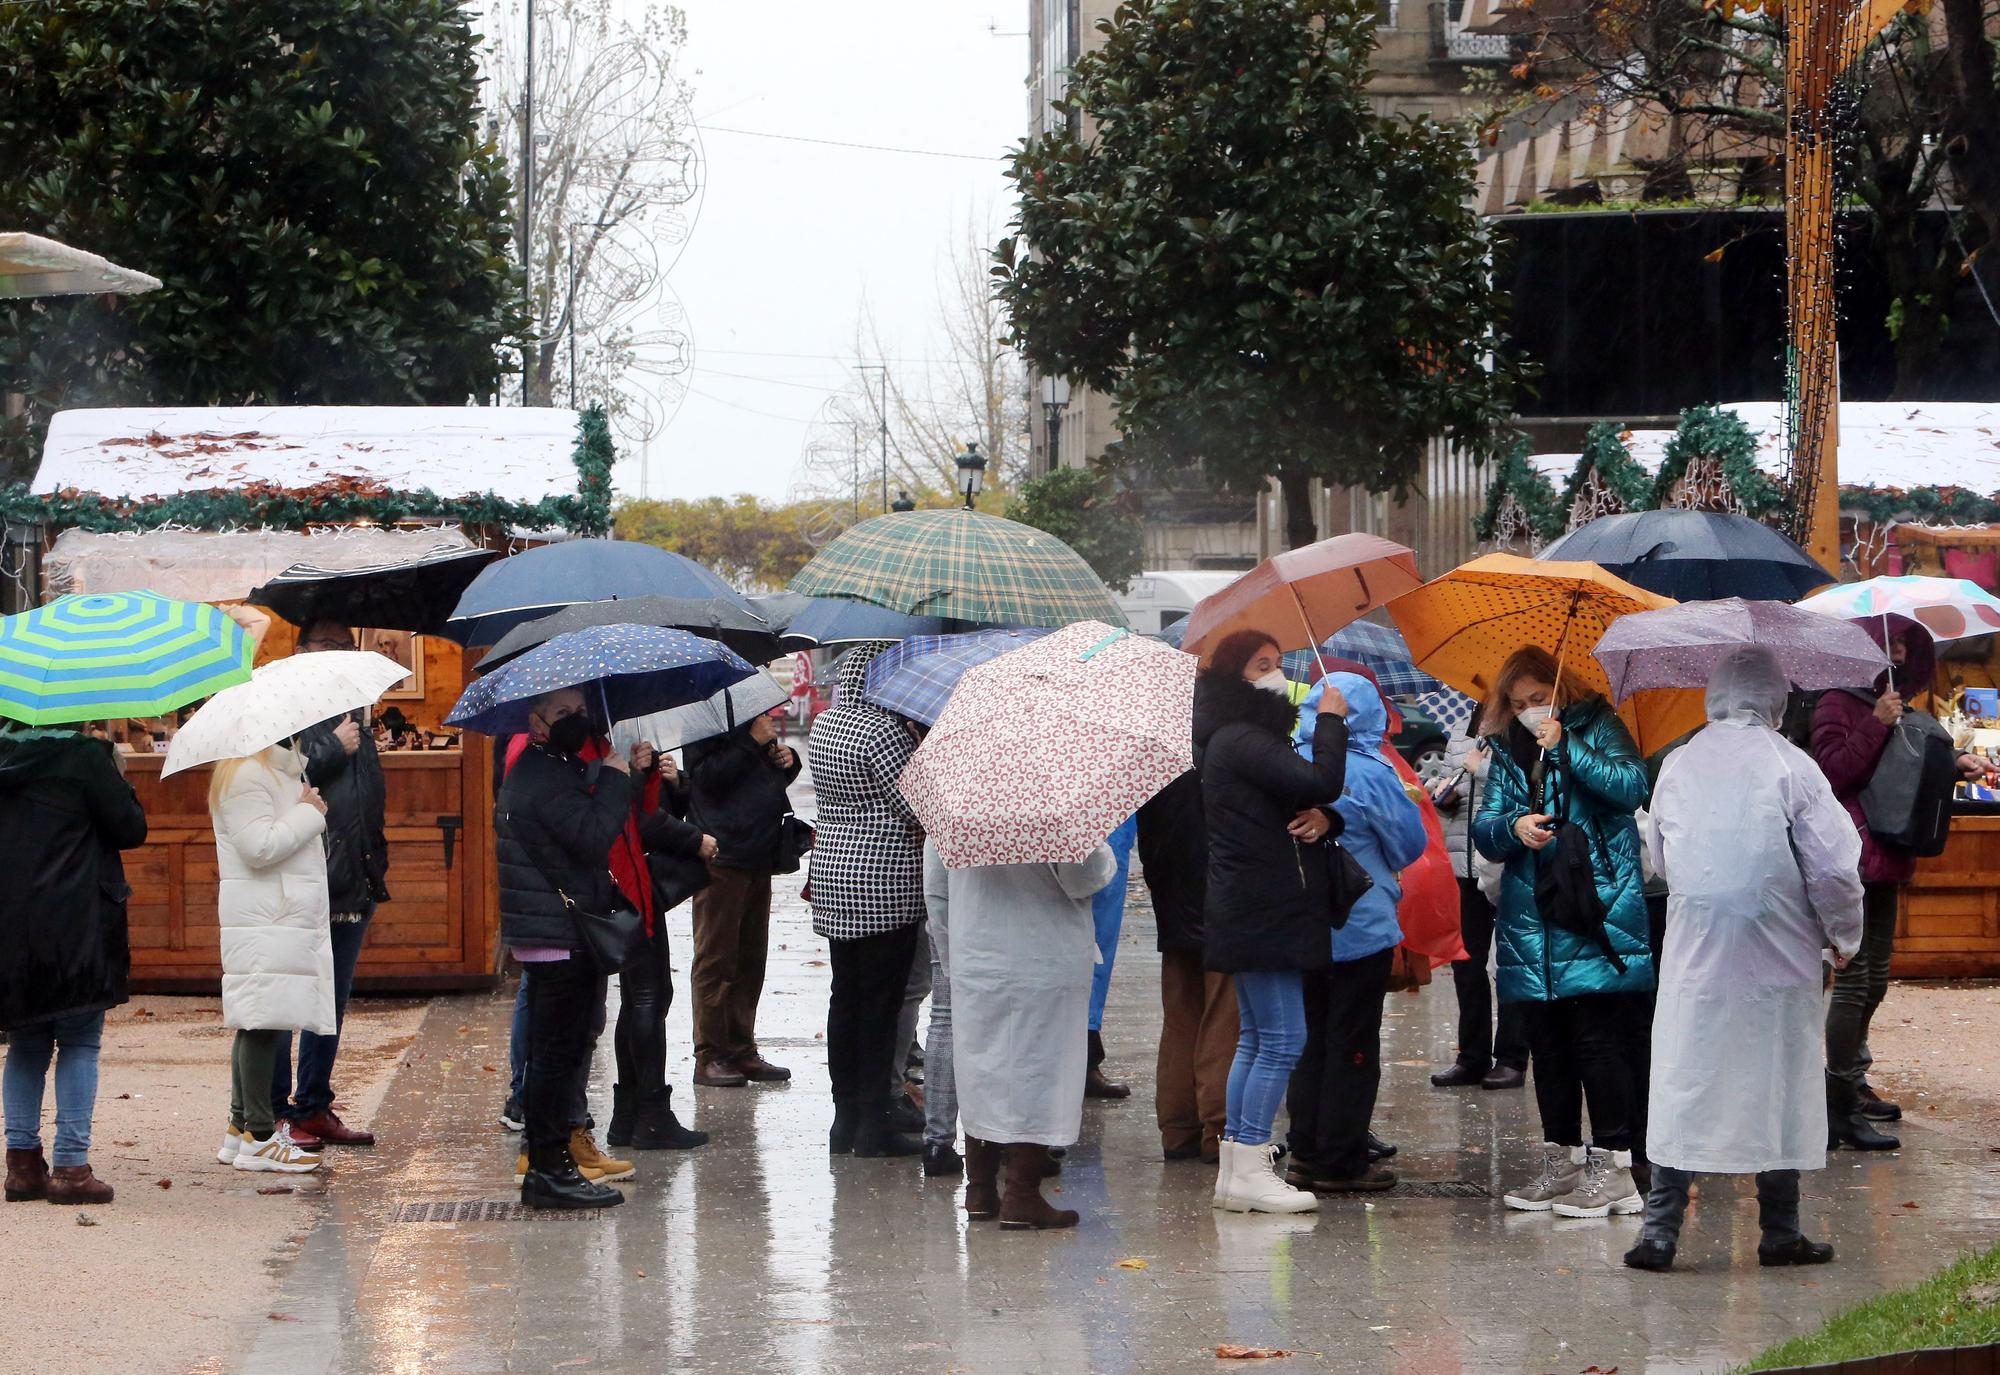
x=1679, y=646
x=1950, y=608
x=824, y=622
x=1379, y=649
x=281, y=699
x=98, y=655
x=704, y=720
x=1044, y=751
x=624, y=670
x=915, y=678
x=1302, y=596
x=408, y=594
x=1462, y=626
x=31, y=265
x=544, y=580
x=1694, y=555
x=742, y=630
x=963, y=566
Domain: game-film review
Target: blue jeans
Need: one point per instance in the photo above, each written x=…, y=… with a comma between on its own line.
x=316, y=1052
x=29, y=1050
x=1271, y=1009
x=1107, y=915
x=940, y=1075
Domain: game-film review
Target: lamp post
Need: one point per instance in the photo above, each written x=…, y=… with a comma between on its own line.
x=1054, y=393
x=902, y=501
x=971, y=474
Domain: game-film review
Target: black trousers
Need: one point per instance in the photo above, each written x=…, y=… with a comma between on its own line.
x=869, y=975
x=1479, y=1045
x=1332, y=1094
x=645, y=992
x=1857, y=991
x=564, y=996
x=1582, y=1049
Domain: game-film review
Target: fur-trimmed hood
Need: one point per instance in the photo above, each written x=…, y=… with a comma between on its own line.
x=1225, y=699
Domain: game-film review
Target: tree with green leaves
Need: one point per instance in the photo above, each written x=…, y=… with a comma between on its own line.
x=310, y=180
x=1078, y=507
x=1267, y=275
x=755, y=545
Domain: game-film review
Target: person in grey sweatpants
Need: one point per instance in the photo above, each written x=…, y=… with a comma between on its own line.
x=940, y=1084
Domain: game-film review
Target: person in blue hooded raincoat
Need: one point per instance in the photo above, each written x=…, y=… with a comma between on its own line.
x=1332, y=1095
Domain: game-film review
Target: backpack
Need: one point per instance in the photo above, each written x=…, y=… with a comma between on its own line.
x=1908, y=800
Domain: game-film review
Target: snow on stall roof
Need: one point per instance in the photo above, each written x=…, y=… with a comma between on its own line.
x=520, y=454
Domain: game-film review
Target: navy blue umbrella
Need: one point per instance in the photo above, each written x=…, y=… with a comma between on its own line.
x=1174, y=631
x=830, y=621
x=1694, y=555
x=544, y=580
x=623, y=670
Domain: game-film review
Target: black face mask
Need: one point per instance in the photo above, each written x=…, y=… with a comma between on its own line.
x=570, y=734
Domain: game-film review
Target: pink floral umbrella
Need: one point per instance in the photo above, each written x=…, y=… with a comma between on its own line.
x=1043, y=752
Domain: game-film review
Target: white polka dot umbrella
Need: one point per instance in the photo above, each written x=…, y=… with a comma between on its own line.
x=280, y=700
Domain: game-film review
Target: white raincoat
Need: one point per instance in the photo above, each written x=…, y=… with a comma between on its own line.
x=277, y=950
x=1023, y=948
x=1763, y=870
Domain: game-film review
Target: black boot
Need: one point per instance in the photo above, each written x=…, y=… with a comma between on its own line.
x=553, y=1181
x=876, y=1135
x=1845, y=1126
x=619, y=1133
x=942, y=1162
x=1650, y=1255
x=1876, y=1108
x=1798, y=1251
x=846, y=1121
x=655, y=1128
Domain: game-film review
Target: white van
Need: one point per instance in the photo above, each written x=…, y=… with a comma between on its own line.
x=1156, y=600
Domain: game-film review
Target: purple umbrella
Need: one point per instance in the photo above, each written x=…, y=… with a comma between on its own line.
x=1679, y=646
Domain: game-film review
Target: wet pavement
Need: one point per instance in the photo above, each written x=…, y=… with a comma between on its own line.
x=759, y=1253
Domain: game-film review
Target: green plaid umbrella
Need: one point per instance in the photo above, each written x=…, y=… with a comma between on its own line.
x=962, y=566
x=101, y=655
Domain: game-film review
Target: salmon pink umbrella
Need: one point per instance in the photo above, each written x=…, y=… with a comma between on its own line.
x=1302, y=596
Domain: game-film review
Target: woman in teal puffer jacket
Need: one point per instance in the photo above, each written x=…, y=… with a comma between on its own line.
x=1572, y=758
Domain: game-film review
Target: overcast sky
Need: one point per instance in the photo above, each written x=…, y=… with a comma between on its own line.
x=794, y=237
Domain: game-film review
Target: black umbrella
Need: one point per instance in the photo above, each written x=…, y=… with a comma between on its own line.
x=747, y=634
x=1694, y=555
x=410, y=594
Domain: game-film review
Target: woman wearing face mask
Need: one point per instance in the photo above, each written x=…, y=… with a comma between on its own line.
x=1267, y=907
x=1558, y=756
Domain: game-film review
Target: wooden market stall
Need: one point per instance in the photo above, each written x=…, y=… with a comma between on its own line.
x=207, y=504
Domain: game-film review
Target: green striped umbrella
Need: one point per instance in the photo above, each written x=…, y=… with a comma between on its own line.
x=104, y=655
x=963, y=566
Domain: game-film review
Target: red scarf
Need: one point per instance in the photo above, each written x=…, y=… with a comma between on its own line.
x=628, y=854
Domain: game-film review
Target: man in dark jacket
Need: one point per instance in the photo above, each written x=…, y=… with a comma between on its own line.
x=66, y=812
x=553, y=827
x=341, y=762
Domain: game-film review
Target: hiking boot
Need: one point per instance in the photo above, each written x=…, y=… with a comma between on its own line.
x=1798, y=1251
x=593, y=1163
x=1561, y=1172
x=1607, y=1188
x=27, y=1176
x=982, y=1173
x=1650, y=1255
x=1246, y=1181
x=76, y=1184
x=1023, y=1206
x=942, y=1162
x=553, y=1180
x=653, y=1126
x=1876, y=1108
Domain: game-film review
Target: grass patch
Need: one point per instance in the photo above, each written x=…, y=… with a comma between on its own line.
x=1958, y=1306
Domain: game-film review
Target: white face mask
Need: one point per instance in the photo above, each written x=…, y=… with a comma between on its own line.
x=1532, y=717
x=1274, y=681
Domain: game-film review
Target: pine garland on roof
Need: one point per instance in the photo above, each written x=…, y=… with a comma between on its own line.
x=1533, y=493
x=1710, y=432
x=1617, y=471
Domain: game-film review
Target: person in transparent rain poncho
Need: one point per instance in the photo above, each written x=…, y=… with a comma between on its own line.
x=1763, y=880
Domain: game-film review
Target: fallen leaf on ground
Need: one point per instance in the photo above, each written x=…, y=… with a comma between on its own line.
x=281, y=1317
x=640, y=1273
x=275, y=1189
x=163, y=1183
x=1911, y=1206
x=489, y=1069
x=1227, y=1351
x=1134, y=1263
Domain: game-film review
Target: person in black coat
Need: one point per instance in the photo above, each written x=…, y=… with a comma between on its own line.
x=66, y=811
x=1267, y=911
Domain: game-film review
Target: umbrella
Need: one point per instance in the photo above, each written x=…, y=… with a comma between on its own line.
x=409, y=594
x=704, y=720
x=828, y=621
x=1377, y=648
x=963, y=566
x=742, y=630
x=1679, y=646
x=281, y=699
x=1303, y=595
x=31, y=265
x=1044, y=751
x=1950, y=608
x=1694, y=555
x=99, y=655
x=915, y=678
x=1175, y=631
x=631, y=670
x=1462, y=626
x=548, y=578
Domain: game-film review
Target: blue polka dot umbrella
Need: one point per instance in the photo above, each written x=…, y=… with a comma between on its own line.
x=101, y=655
x=624, y=671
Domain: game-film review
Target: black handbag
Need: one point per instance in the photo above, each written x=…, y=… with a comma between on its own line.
x=1346, y=880
x=675, y=880
x=606, y=941
x=795, y=837
x=1566, y=887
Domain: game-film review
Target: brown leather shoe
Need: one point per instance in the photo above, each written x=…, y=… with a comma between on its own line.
x=76, y=1184
x=1095, y=1085
x=755, y=1066
x=719, y=1074
x=1023, y=1206
x=27, y=1176
x=328, y=1127
x=982, y=1175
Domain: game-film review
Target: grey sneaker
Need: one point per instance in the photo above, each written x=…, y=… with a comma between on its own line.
x=1607, y=1188
x=1562, y=1171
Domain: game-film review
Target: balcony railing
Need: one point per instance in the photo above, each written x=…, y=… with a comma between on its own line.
x=1451, y=43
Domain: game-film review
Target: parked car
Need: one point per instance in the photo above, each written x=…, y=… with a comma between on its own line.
x=1421, y=741
x=1156, y=600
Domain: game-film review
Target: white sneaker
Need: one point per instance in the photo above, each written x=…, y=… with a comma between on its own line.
x=1607, y=1188
x=277, y=1154
x=1247, y=1182
x=232, y=1142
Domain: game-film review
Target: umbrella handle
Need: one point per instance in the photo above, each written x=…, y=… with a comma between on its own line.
x=1311, y=634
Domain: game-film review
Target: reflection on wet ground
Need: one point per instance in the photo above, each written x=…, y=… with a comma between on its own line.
x=757, y=1253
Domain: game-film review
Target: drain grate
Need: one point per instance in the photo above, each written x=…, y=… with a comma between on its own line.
x=484, y=1210
x=1434, y=1188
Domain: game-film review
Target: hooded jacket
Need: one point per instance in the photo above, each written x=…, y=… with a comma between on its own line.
x=271, y=904
x=1847, y=740
x=66, y=814
x=357, y=851
x=1382, y=827
x=1267, y=904
x=867, y=875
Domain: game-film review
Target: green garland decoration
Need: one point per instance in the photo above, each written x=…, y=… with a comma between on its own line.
x=1533, y=493
x=587, y=511
x=1710, y=432
x=1921, y=505
x=1604, y=450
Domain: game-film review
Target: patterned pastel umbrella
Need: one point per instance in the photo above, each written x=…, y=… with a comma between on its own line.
x=625, y=671
x=99, y=655
x=1044, y=751
x=281, y=699
x=1950, y=608
x=915, y=678
x=1679, y=646
x=963, y=566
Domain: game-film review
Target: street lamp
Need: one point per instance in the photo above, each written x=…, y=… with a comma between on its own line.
x=902, y=501
x=971, y=474
x=1055, y=399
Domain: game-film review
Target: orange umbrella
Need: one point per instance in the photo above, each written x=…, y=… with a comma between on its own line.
x=1302, y=596
x=1461, y=627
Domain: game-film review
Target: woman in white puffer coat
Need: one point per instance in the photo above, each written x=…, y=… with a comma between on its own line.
x=277, y=949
